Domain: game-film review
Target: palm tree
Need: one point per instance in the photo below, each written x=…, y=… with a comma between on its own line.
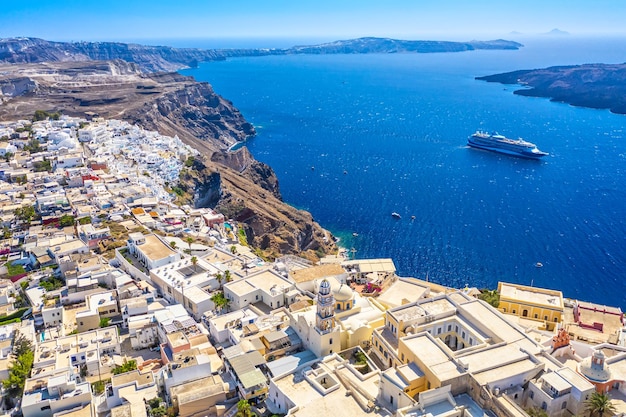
x=194, y=262
x=243, y=409
x=227, y=276
x=219, y=277
x=189, y=241
x=599, y=403
x=220, y=301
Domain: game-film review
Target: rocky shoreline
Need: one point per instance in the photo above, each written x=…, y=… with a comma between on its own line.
x=597, y=86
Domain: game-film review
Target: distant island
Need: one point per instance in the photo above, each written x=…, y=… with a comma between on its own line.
x=165, y=58
x=598, y=86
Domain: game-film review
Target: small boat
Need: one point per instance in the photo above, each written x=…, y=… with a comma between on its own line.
x=538, y=265
x=396, y=215
x=355, y=234
x=345, y=172
x=313, y=168
x=412, y=217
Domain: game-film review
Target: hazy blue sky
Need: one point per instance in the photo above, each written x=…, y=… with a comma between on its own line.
x=416, y=19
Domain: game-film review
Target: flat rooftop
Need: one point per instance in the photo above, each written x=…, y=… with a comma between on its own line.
x=154, y=249
x=316, y=272
x=428, y=307
x=365, y=266
x=403, y=291
x=538, y=296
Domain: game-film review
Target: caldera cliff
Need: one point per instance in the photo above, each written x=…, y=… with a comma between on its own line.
x=233, y=182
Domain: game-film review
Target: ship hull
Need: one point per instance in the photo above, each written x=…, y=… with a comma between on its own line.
x=502, y=145
x=507, y=151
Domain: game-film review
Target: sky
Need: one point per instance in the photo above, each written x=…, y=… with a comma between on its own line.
x=143, y=20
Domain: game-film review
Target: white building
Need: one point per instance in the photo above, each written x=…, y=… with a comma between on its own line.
x=150, y=250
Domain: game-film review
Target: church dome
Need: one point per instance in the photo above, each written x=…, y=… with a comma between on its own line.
x=343, y=293
x=594, y=369
x=324, y=287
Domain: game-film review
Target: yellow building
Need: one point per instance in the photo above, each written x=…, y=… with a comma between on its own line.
x=540, y=304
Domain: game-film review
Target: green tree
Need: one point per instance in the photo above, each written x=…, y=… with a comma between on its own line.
x=66, y=220
x=20, y=368
x=220, y=301
x=33, y=146
x=243, y=409
x=233, y=250
x=41, y=166
x=127, y=366
x=194, y=262
x=219, y=277
x=599, y=403
x=173, y=245
x=25, y=213
x=227, y=276
x=8, y=156
x=189, y=241
x=490, y=296
x=104, y=321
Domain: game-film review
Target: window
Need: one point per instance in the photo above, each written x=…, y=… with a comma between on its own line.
x=536, y=315
x=532, y=395
x=556, y=320
x=348, y=306
x=330, y=341
x=45, y=407
x=544, y=405
x=525, y=313
x=81, y=323
x=449, y=327
x=564, y=405
x=471, y=342
x=338, y=306
x=513, y=311
x=403, y=357
x=439, y=330
x=463, y=335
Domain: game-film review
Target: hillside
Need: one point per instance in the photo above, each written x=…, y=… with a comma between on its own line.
x=598, y=86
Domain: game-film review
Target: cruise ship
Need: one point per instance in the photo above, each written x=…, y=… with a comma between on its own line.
x=498, y=143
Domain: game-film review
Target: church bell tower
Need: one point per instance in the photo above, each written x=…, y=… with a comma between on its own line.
x=325, y=317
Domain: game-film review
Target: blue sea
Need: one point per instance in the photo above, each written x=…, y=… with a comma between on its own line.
x=354, y=138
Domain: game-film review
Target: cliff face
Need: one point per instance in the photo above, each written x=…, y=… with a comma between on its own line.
x=272, y=226
x=599, y=86
x=233, y=182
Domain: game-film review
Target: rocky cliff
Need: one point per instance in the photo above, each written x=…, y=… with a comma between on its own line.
x=599, y=86
x=234, y=182
x=165, y=58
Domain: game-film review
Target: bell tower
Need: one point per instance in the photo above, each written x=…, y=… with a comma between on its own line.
x=325, y=317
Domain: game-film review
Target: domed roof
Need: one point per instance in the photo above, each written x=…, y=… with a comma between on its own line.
x=324, y=287
x=343, y=293
x=594, y=369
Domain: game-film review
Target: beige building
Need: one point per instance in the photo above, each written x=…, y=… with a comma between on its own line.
x=539, y=304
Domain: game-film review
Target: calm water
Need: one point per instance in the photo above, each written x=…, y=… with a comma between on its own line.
x=387, y=133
